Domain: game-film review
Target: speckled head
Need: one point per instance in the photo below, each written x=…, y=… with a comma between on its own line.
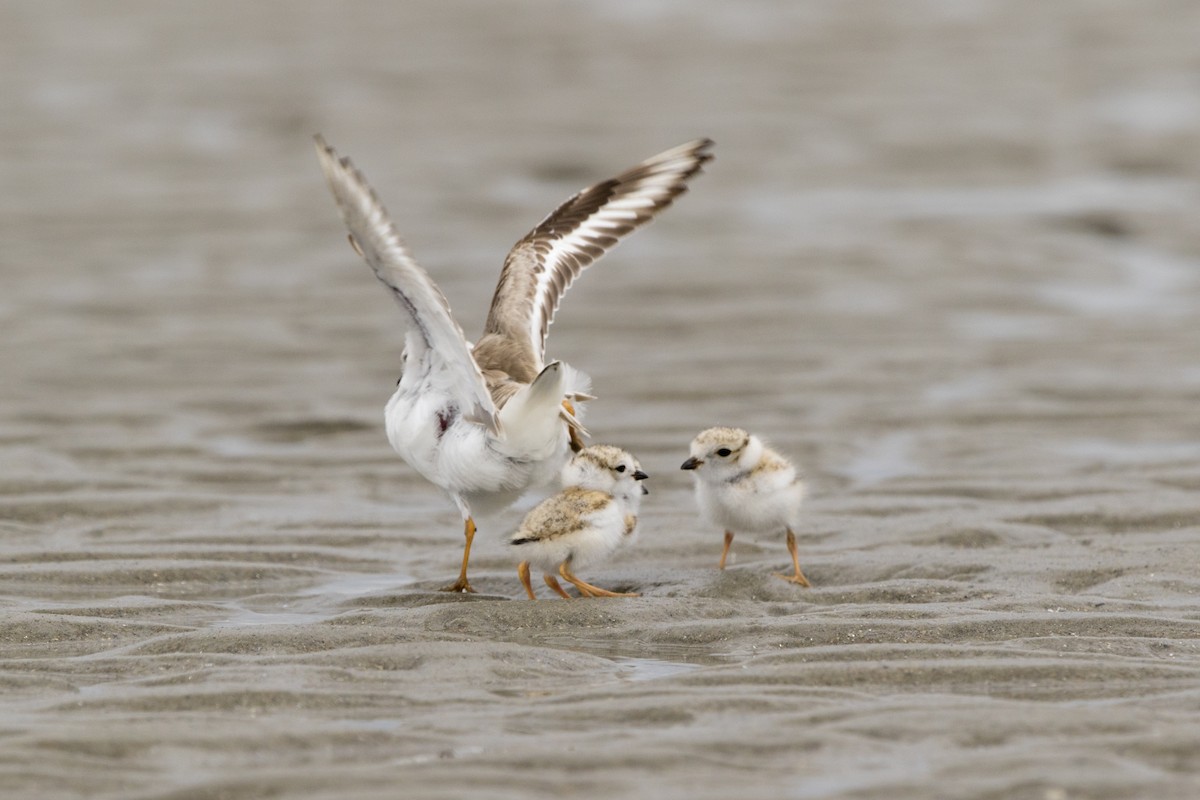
x=723, y=450
x=603, y=467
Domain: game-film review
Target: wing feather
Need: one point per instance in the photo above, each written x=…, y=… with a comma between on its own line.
x=438, y=344
x=541, y=266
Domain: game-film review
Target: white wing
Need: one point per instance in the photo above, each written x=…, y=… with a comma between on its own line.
x=541, y=266
x=438, y=344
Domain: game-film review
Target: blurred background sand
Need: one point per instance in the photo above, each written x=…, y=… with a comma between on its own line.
x=947, y=257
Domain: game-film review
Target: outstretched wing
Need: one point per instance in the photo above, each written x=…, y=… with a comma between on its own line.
x=436, y=342
x=541, y=267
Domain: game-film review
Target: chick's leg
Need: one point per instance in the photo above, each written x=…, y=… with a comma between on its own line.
x=725, y=552
x=587, y=589
x=553, y=583
x=523, y=574
x=798, y=576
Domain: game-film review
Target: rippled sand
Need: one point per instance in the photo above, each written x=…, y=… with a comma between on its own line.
x=946, y=257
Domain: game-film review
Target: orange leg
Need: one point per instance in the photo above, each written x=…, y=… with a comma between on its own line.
x=553, y=583
x=798, y=577
x=586, y=589
x=725, y=552
x=462, y=584
x=523, y=574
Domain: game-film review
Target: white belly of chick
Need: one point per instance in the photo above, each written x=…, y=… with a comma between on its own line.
x=588, y=546
x=739, y=508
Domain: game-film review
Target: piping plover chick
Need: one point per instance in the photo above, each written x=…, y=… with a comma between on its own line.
x=744, y=486
x=486, y=422
x=593, y=516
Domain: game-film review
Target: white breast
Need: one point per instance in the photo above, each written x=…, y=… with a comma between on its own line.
x=429, y=433
x=751, y=506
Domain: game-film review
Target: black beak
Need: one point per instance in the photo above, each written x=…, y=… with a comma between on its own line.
x=640, y=476
x=644, y=489
x=691, y=463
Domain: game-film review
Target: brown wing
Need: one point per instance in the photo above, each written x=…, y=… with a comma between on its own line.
x=560, y=515
x=541, y=266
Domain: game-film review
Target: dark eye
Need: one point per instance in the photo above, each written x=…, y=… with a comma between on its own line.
x=724, y=451
x=621, y=468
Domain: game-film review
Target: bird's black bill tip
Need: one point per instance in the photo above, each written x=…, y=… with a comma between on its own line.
x=645, y=490
x=640, y=476
x=691, y=463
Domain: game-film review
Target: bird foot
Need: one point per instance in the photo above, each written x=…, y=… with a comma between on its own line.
x=799, y=580
x=596, y=591
x=460, y=585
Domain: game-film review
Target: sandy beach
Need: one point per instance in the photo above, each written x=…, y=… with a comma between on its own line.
x=946, y=258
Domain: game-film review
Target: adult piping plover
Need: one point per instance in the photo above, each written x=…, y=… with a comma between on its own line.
x=594, y=514
x=743, y=485
x=489, y=421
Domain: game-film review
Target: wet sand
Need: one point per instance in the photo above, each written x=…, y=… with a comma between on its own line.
x=946, y=258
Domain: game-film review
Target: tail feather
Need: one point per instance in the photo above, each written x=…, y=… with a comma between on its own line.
x=531, y=419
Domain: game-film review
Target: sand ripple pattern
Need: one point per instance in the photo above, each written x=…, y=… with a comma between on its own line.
x=947, y=260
